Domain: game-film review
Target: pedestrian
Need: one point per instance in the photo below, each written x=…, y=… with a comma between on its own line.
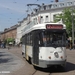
x=14, y=43
x=0, y=43
x=71, y=45
x=5, y=44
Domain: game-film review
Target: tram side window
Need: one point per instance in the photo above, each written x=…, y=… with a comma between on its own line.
x=45, y=39
x=39, y=39
x=26, y=39
x=29, y=39
x=23, y=40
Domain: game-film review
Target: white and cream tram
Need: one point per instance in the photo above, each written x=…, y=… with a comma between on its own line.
x=45, y=44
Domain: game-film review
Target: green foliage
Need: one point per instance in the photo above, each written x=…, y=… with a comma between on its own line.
x=66, y=16
x=20, y=39
x=57, y=17
x=67, y=19
x=10, y=40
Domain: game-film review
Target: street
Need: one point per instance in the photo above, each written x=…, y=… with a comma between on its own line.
x=9, y=62
x=12, y=63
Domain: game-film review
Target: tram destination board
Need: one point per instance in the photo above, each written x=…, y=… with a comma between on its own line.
x=52, y=26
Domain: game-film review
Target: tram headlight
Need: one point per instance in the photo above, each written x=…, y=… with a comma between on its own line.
x=56, y=54
x=49, y=57
x=61, y=57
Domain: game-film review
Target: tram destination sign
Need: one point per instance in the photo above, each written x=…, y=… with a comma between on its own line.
x=53, y=26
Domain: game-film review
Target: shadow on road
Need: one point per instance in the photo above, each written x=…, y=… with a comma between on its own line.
x=4, y=54
x=4, y=60
x=52, y=69
x=4, y=57
x=70, y=66
x=56, y=69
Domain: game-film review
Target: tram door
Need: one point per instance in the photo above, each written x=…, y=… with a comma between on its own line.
x=35, y=48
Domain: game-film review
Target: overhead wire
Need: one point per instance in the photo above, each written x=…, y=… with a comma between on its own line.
x=26, y=12
x=28, y=9
x=32, y=3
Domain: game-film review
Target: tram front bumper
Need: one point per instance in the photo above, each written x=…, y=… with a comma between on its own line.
x=44, y=63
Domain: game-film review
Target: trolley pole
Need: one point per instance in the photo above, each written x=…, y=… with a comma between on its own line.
x=72, y=30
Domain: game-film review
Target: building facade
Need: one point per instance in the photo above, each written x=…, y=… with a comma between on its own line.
x=0, y=35
x=22, y=25
x=45, y=13
x=9, y=33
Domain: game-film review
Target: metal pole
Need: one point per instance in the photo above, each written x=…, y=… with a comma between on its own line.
x=72, y=30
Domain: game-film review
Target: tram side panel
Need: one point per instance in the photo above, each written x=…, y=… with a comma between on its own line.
x=28, y=47
x=23, y=50
x=23, y=46
x=29, y=50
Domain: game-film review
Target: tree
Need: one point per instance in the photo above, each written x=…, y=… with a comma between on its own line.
x=66, y=16
x=10, y=40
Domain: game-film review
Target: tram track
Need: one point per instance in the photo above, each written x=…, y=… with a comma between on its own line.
x=50, y=73
x=34, y=72
x=29, y=70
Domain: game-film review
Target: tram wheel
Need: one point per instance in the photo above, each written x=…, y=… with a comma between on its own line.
x=29, y=61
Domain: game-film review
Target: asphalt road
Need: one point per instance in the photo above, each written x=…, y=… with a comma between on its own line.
x=12, y=62
x=9, y=62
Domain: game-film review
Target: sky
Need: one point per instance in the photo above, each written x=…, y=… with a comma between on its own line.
x=13, y=11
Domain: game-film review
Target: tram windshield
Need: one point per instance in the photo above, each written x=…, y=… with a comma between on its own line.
x=48, y=38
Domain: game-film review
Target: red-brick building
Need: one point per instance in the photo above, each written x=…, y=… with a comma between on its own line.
x=9, y=32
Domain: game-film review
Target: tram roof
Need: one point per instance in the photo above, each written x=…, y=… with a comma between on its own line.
x=30, y=28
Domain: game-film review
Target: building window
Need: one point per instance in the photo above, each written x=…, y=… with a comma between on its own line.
x=61, y=4
x=47, y=7
x=35, y=21
x=42, y=8
x=46, y=19
x=74, y=2
x=69, y=3
x=54, y=6
x=41, y=19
